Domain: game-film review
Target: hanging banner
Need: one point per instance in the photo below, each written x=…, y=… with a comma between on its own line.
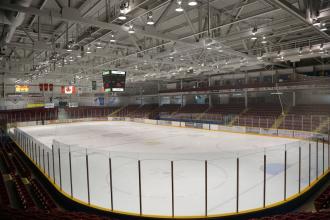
x=45, y=86
x=93, y=85
x=68, y=90
x=21, y=88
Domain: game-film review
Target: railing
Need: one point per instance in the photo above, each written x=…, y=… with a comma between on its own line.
x=192, y=184
x=324, y=81
x=291, y=122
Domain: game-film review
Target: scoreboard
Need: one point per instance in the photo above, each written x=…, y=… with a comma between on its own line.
x=114, y=80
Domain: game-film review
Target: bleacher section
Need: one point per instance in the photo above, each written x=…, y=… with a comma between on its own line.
x=307, y=118
x=29, y=114
x=89, y=111
x=190, y=112
x=127, y=111
x=299, y=216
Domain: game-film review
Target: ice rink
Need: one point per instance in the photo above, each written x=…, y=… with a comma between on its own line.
x=156, y=146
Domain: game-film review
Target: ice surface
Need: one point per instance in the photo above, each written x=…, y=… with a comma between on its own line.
x=155, y=147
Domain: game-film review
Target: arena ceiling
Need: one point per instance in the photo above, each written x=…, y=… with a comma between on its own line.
x=70, y=40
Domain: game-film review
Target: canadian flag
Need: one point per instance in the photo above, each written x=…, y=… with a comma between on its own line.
x=68, y=90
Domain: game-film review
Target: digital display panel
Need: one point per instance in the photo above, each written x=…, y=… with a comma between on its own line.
x=114, y=80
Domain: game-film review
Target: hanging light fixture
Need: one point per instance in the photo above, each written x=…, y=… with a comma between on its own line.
x=112, y=38
x=316, y=22
x=179, y=8
x=122, y=17
x=150, y=20
x=88, y=50
x=323, y=27
x=311, y=49
x=300, y=51
x=122, y=9
x=192, y=2
x=98, y=44
x=254, y=32
x=69, y=47
x=264, y=41
x=131, y=29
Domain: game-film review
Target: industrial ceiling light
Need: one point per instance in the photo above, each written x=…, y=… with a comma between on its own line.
x=98, y=44
x=179, y=8
x=122, y=17
x=88, y=50
x=254, y=32
x=321, y=47
x=310, y=50
x=264, y=41
x=69, y=48
x=323, y=27
x=112, y=38
x=192, y=3
x=279, y=53
x=131, y=29
x=300, y=51
x=316, y=22
x=150, y=20
x=71, y=59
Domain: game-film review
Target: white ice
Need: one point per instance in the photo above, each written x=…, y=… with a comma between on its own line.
x=156, y=146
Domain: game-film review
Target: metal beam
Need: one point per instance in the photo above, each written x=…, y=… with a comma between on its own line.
x=75, y=17
x=34, y=16
x=190, y=24
x=164, y=13
x=286, y=6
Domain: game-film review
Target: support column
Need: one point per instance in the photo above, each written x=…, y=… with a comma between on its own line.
x=294, y=74
x=293, y=98
x=246, y=99
x=141, y=96
x=158, y=88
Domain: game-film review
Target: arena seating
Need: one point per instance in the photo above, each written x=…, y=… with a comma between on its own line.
x=28, y=114
x=193, y=108
x=43, y=197
x=307, y=118
x=169, y=108
x=89, y=111
x=260, y=115
x=24, y=196
x=17, y=214
x=250, y=85
x=144, y=111
x=298, y=216
x=323, y=200
x=127, y=110
x=226, y=109
x=4, y=198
